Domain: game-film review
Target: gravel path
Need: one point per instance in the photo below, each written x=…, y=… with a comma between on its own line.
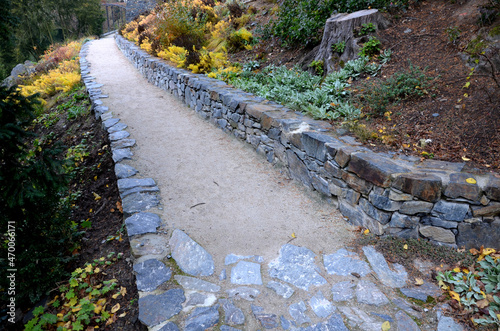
x=264, y=251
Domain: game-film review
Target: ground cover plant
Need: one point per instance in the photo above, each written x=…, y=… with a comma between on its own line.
x=58, y=191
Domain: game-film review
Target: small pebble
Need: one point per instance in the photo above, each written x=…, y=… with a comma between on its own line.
x=435, y=114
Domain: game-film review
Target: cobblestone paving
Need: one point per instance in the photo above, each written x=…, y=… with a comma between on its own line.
x=298, y=289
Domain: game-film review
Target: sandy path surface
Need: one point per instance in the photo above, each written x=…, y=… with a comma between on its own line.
x=214, y=187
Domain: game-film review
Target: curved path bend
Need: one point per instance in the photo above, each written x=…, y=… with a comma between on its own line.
x=230, y=200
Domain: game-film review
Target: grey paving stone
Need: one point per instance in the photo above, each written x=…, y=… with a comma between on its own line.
x=123, y=143
x=196, y=299
x=151, y=274
x=223, y=275
x=190, y=256
x=233, y=315
x=384, y=317
x=155, y=309
x=202, y=318
x=192, y=283
x=138, y=202
x=121, y=154
x=110, y=122
x=402, y=304
x=388, y=277
x=295, y=265
x=268, y=321
x=361, y=319
x=170, y=326
x=117, y=127
x=118, y=135
x=246, y=293
x=334, y=323
x=448, y=324
x=343, y=291
x=281, y=289
x=297, y=311
x=404, y=322
x=124, y=171
x=367, y=292
x=141, y=223
x=321, y=306
x=228, y=328
x=233, y=258
x=285, y=324
x=343, y=263
x=422, y=292
x=152, y=189
x=128, y=183
x=246, y=273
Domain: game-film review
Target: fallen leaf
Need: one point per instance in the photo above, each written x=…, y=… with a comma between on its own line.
x=96, y=196
x=405, y=246
x=482, y=303
x=114, y=296
x=95, y=177
x=366, y=232
x=454, y=295
x=122, y=315
x=443, y=285
x=115, y=308
x=419, y=281
x=456, y=270
x=293, y=235
x=474, y=251
x=123, y=291
x=119, y=206
x=386, y=326
x=471, y=180
x=465, y=159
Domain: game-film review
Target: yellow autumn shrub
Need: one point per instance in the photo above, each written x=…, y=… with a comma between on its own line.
x=175, y=54
x=146, y=45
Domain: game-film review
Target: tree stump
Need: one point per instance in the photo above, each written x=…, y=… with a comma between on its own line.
x=343, y=28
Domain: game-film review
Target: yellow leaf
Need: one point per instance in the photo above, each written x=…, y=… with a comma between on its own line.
x=96, y=196
x=471, y=181
x=443, y=285
x=109, y=321
x=74, y=310
x=466, y=95
x=123, y=291
x=88, y=268
x=488, y=251
x=386, y=326
x=454, y=295
x=465, y=159
x=366, y=232
x=405, y=246
x=97, y=309
x=419, y=281
x=97, y=270
x=72, y=301
x=95, y=177
x=115, y=308
x=293, y=235
x=122, y=315
x=456, y=270
x=114, y=296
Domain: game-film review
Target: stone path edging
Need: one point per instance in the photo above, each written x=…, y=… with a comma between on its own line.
x=386, y=193
x=297, y=266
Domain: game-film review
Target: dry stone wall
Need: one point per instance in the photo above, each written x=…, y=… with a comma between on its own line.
x=387, y=193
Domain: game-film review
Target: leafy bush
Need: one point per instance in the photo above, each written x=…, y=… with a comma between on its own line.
x=300, y=22
x=401, y=86
x=366, y=29
x=371, y=47
x=32, y=184
x=303, y=91
x=239, y=40
x=339, y=47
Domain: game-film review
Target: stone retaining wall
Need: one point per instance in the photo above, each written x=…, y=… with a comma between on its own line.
x=137, y=7
x=389, y=194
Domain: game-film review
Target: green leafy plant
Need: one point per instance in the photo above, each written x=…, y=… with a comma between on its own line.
x=453, y=33
x=385, y=56
x=366, y=28
x=401, y=86
x=317, y=66
x=339, y=47
x=251, y=66
x=371, y=47
x=83, y=300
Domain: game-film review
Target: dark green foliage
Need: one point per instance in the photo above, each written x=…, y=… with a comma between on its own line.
x=401, y=86
x=300, y=22
x=32, y=185
x=371, y=47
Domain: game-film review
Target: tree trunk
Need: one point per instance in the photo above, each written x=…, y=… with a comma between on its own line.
x=343, y=28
